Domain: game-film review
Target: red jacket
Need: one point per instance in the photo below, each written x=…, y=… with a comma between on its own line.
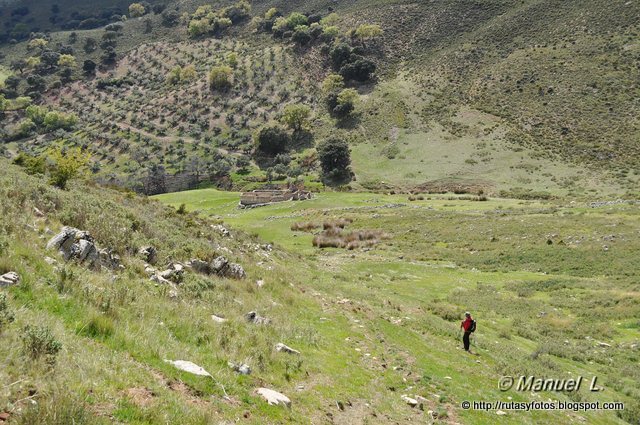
x=466, y=323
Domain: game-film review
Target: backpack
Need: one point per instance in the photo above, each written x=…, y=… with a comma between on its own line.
x=472, y=328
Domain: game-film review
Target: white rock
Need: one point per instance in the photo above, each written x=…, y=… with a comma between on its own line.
x=410, y=401
x=260, y=283
x=286, y=349
x=218, y=319
x=273, y=397
x=10, y=278
x=500, y=413
x=604, y=344
x=241, y=368
x=188, y=366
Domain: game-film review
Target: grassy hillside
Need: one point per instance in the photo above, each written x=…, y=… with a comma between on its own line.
x=372, y=324
x=549, y=282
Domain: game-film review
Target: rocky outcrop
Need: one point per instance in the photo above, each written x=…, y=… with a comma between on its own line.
x=218, y=266
x=8, y=279
x=79, y=245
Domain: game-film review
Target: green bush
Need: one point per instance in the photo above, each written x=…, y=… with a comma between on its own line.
x=38, y=342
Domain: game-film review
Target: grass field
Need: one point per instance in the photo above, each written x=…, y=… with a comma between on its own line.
x=548, y=282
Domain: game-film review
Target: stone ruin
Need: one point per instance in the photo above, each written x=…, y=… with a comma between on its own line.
x=258, y=198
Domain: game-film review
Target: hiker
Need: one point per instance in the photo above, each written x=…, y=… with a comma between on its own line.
x=469, y=326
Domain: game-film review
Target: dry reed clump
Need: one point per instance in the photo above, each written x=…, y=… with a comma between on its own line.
x=339, y=223
x=304, y=227
x=336, y=238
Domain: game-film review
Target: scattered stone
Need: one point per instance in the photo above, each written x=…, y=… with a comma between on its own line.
x=221, y=229
x=173, y=294
x=604, y=344
x=8, y=279
x=218, y=319
x=241, y=368
x=159, y=279
x=410, y=401
x=255, y=318
x=4, y=416
x=188, y=366
x=50, y=261
x=260, y=283
x=38, y=213
x=286, y=349
x=149, y=254
x=273, y=397
x=173, y=274
x=500, y=412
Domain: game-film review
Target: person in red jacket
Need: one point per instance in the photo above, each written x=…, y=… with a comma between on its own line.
x=467, y=327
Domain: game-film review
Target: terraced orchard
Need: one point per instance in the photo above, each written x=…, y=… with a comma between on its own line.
x=141, y=113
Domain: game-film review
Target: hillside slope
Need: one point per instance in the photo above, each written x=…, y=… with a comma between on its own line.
x=519, y=92
x=372, y=324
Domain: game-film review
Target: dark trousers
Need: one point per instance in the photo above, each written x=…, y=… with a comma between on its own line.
x=465, y=340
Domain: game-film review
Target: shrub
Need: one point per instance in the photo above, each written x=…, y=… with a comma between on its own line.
x=296, y=19
x=136, y=10
x=296, y=117
x=220, y=77
x=66, y=165
x=358, y=70
x=335, y=159
x=32, y=164
x=272, y=140
x=39, y=342
x=368, y=31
